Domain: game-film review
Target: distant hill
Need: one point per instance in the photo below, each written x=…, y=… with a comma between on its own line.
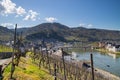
x=60, y=32
x=19, y=30
x=64, y=33
x=97, y=34
x=55, y=31
x=5, y=34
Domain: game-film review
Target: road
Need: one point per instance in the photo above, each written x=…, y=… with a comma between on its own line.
x=5, y=62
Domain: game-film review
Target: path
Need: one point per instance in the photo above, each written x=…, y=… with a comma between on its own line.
x=5, y=62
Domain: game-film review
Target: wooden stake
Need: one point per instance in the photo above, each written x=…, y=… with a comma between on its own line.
x=92, y=66
x=63, y=64
x=48, y=55
x=13, y=66
x=0, y=72
x=55, y=74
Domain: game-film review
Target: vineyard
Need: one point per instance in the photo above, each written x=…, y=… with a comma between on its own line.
x=56, y=66
x=62, y=69
x=27, y=70
x=38, y=63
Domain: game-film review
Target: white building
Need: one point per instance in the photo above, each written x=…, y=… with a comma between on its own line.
x=113, y=48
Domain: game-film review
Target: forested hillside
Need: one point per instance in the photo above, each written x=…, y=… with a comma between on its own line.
x=60, y=32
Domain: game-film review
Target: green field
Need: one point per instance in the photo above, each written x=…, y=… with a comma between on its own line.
x=27, y=70
x=5, y=49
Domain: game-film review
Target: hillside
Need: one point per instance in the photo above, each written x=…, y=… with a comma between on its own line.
x=27, y=70
x=48, y=31
x=5, y=34
x=96, y=34
x=64, y=33
x=60, y=32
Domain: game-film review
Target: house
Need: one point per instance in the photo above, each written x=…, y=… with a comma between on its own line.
x=29, y=46
x=9, y=43
x=101, y=44
x=113, y=47
x=108, y=45
x=117, y=48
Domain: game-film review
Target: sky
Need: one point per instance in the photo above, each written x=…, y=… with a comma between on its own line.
x=102, y=14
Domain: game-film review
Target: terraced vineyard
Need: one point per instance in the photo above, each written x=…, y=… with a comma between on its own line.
x=27, y=70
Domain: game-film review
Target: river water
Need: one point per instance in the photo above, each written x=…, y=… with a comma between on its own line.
x=108, y=62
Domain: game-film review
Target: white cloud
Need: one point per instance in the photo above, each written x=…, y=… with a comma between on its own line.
x=8, y=7
x=81, y=24
x=27, y=17
x=8, y=25
x=50, y=19
x=86, y=25
x=20, y=11
x=1, y=8
x=11, y=25
x=89, y=25
x=31, y=15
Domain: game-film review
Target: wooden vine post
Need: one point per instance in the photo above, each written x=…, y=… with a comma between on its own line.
x=63, y=64
x=1, y=72
x=13, y=64
x=21, y=47
x=92, y=66
x=48, y=58
x=40, y=56
x=55, y=70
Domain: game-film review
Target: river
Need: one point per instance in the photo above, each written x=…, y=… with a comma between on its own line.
x=108, y=62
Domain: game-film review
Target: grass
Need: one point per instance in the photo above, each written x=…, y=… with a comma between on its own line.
x=102, y=50
x=118, y=53
x=27, y=70
x=5, y=49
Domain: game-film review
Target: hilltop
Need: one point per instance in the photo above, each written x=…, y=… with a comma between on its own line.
x=60, y=32
x=55, y=31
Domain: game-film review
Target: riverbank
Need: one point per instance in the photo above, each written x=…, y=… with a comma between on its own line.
x=104, y=61
x=103, y=73
x=106, y=74
x=106, y=51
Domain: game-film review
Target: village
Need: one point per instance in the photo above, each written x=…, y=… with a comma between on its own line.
x=47, y=52
x=109, y=46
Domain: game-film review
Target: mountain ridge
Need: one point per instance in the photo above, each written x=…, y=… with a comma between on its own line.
x=73, y=34
x=60, y=32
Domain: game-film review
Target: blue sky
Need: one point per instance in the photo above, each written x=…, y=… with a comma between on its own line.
x=103, y=14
